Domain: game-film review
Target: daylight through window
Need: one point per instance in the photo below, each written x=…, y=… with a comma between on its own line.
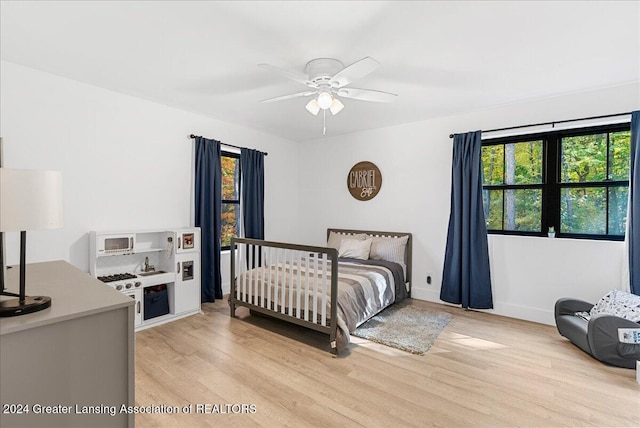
x=230, y=197
x=574, y=181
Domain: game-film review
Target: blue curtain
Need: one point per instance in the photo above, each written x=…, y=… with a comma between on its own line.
x=634, y=205
x=252, y=182
x=208, y=208
x=466, y=278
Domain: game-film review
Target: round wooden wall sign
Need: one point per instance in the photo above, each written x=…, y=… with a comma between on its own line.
x=364, y=181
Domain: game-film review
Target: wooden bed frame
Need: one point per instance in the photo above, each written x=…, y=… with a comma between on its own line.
x=255, y=294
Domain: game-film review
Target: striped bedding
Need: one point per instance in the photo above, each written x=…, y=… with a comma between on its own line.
x=365, y=287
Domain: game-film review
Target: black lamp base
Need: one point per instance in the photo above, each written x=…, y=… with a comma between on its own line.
x=15, y=307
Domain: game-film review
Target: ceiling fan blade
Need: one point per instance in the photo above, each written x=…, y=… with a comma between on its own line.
x=293, y=75
x=353, y=72
x=287, y=97
x=366, y=95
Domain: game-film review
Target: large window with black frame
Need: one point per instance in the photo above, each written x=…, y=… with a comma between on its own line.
x=230, y=198
x=574, y=183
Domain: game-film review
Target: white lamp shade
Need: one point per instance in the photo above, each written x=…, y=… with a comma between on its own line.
x=313, y=107
x=324, y=100
x=30, y=200
x=336, y=106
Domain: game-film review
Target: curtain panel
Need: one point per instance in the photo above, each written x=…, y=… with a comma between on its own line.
x=208, y=209
x=466, y=278
x=633, y=220
x=252, y=183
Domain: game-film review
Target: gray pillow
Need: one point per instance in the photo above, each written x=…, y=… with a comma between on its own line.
x=388, y=248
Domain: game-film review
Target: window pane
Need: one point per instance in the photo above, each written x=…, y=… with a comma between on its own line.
x=619, y=143
x=522, y=209
x=514, y=163
x=493, y=164
x=583, y=210
x=492, y=200
x=523, y=163
x=618, y=200
x=229, y=216
x=230, y=181
x=584, y=158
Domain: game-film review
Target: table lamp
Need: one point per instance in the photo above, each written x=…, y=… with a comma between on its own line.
x=29, y=200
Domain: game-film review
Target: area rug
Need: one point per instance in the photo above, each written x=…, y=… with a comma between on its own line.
x=406, y=327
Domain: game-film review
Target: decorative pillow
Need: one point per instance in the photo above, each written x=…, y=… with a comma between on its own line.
x=388, y=248
x=335, y=238
x=355, y=249
x=619, y=303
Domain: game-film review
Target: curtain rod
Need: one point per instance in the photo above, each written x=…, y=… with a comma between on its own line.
x=552, y=123
x=226, y=144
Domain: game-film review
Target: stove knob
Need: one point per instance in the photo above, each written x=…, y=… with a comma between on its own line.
x=119, y=287
x=138, y=284
x=129, y=285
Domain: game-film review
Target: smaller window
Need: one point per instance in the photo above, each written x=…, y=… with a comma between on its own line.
x=594, y=187
x=230, y=198
x=512, y=190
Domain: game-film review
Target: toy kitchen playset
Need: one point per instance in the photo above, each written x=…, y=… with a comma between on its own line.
x=159, y=269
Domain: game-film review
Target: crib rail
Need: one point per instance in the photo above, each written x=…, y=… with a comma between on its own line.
x=296, y=283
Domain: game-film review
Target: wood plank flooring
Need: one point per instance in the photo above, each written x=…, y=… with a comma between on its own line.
x=484, y=370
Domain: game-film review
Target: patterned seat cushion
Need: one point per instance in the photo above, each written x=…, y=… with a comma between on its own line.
x=619, y=303
x=584, y=315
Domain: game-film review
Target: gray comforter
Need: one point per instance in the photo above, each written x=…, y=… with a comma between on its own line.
x=365, y=287
x=359, y=300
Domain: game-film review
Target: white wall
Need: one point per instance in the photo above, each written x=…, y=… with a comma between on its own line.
x=125, y=162
x=529, y=274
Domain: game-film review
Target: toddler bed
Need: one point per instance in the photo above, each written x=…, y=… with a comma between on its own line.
x=331, y=289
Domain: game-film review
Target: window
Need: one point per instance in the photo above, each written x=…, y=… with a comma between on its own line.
x=512, y=194
x=576, y=181
x=230, y=197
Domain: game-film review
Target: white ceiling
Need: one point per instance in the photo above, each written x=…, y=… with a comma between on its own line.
x=441, y=58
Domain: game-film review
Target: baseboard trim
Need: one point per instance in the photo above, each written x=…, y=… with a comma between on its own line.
x=510, y=310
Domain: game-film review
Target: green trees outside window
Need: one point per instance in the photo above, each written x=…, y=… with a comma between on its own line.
x=512, y=194
x=230, y=197
x=600, y=163
x=574, y=181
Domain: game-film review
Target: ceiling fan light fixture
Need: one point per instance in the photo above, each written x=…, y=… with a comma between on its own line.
x=313, y=107
x=326, y=80
x=325, y=100
x=336, y=106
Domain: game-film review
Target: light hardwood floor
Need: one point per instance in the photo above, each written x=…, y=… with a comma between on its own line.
x=484, y=370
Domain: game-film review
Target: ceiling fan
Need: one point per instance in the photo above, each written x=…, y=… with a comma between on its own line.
x=329, y=78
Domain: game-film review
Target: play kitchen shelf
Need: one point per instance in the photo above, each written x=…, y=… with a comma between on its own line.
x=159, y=269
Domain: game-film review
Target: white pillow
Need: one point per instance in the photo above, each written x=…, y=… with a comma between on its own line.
x=336, y=238
x=355, y=249
x=389, y=248
x=619, y=303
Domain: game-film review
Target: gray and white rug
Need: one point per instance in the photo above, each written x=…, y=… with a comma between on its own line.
x=405, y=326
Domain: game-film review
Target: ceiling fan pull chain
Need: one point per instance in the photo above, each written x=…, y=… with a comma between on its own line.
x=324, y=122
